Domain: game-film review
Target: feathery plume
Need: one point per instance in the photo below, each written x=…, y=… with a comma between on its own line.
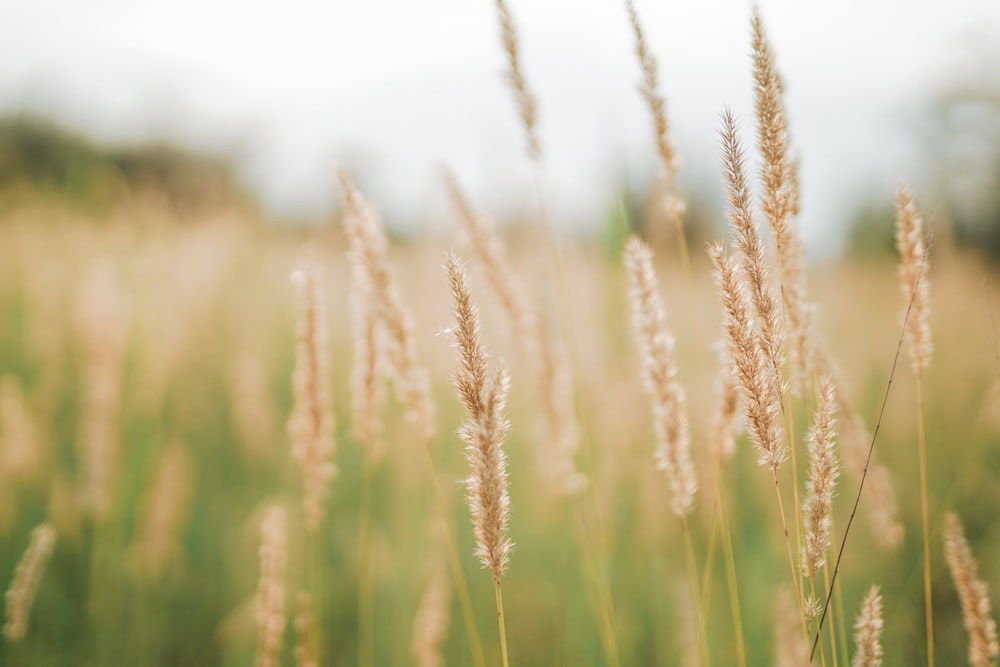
x=489, y=249
x=726, y=420
x=20, y=445
x=868, y=631
x=913, y=280
x=548, y=361
x=555, y=380
x=486, y=426
x=673, y=203
x=102, y=321
x=303, y=632
x=430, y=625
x=250, y=404
x=271, y=587
x=515, y=77
x=659, y=373
x=752, y=373
x=753, y=269
x=973, y=594
x=367, y=370
x=23, y=588
x=883, y=512
x=310, y=425
x=369, y=249
x=823, y=473
x=164, y=509
x=790, y=649
x=778, y=174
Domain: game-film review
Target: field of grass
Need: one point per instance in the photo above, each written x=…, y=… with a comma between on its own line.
x=182, y=341
x=244, y=444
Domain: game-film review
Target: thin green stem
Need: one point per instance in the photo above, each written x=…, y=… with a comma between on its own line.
x=455, y=567
x=500, y=620
x=922, y=448
x=692, y=569
x=791, y=558
x=365, y=618
x=600, y=595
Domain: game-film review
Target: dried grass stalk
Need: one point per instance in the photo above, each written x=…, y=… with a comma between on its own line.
x=304, y=656
x=515, y=77
x=659, y=373
x=21, y=454
x=868, y=631
x=673, y=203
x=753, y=268
x=163, y=512
x=251, y=407
x=973, y=594
x=790, y=648
x=21, y=593
x=310, y=425
x=823, y=472
x=726, y=421
x=271, y=591
x=369, y=251
x=752, y=372
x=913, y=281
x=430, y=625
x=548, y=361
x=483, y=432
x=102, y=323
x=780, y=199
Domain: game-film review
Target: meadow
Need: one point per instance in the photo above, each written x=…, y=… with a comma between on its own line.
x=248, y=446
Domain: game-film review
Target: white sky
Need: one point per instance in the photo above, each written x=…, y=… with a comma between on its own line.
x=393, y=88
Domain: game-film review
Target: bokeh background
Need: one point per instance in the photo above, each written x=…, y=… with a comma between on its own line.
x=164, y=167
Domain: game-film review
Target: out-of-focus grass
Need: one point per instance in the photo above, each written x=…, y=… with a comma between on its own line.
x=204, y=298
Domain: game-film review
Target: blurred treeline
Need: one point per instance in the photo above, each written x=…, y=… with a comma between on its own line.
x=958, y=134
x=42, y=162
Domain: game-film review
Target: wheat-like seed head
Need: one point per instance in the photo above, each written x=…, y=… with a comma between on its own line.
x=548, y=360
x=303, y=623
x=674, y=204
x=21, y=593
x=780, y=200
x=515, y=77
x=485, y=401
x=753, y=269
x=726, y=420
x=310, y=425
x=659, y=374
x=163, y=512
x=790, y=649
x=752, y=372
x=868, y=631
x=20, y=447
x=430, y=625
x=973, y=594
x=369, y=253
x=823, y=473
x=271, y=590
x=913, y=282
x=102, y=318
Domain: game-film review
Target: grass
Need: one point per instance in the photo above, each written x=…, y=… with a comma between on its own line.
x=196, y=611
x=139, y=341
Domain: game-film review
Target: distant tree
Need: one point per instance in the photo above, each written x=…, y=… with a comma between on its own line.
x=39, y=160
x=963, y=137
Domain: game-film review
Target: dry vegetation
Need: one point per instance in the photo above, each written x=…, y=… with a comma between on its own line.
x=204, y=462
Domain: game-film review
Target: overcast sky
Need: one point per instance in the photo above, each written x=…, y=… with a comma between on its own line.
x=394, y=88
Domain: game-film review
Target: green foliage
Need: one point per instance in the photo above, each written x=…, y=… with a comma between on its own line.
x=40, y=160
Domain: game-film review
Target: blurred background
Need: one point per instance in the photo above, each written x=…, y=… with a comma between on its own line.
x=269, y=97
x=165, y=166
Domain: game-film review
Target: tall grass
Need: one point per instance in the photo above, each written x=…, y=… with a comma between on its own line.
x=180, y=525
